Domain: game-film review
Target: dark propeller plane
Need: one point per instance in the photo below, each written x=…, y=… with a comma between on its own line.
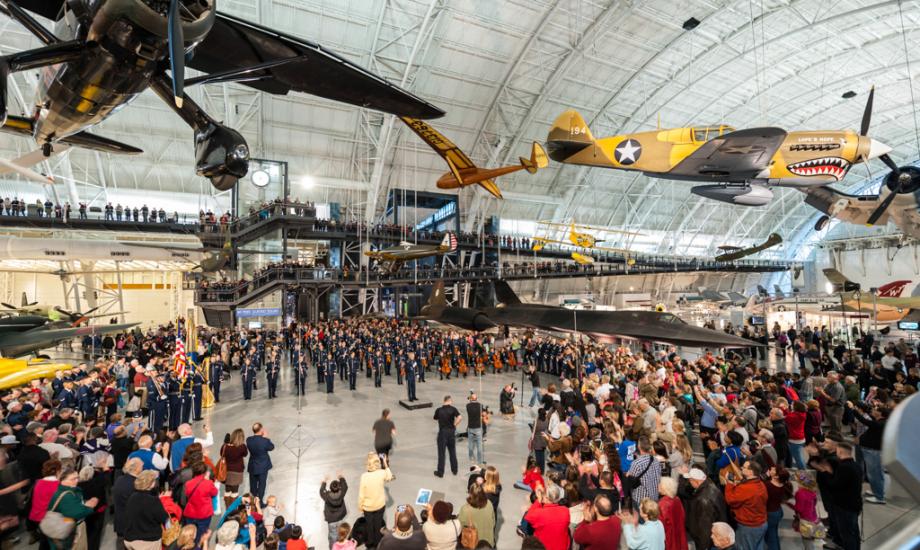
x=28, y=334
x=602, y=326
x=101, y=54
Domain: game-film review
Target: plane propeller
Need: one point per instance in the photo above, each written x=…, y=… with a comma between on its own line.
x=176, y=38
x=76, y=318
x=899, y=180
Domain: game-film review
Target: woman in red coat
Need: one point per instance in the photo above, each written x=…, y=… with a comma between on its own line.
x=672, y=515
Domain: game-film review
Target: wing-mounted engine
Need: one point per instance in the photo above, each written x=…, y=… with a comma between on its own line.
x=744, y=195
x=221, y=155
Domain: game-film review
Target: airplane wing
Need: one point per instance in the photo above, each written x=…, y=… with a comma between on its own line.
x=40, y=334
x=741, y=154
x=50, y=9
x=190, y=248
x=234, y=44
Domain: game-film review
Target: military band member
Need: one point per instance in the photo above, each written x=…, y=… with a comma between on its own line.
x=300, y=375
x=411, y=370
x=248, y=374
x=330, y=374
x=377, y=362
x=171, y=386
x=320, y=363
x=353, y=365
x=217, y=372
x=185, y=396
x=197, y=381
x=156, y=402
x=272, y=369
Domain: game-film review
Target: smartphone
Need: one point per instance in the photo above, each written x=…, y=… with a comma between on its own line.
x=401, y=508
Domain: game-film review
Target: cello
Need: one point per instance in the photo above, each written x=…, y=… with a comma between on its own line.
x=496, y=362
x=445, y=366
x=480, y=364
x=461, y=366
x=512, y=360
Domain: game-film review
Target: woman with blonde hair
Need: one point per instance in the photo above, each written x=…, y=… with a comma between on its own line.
x=681, y=454
x=372, y=497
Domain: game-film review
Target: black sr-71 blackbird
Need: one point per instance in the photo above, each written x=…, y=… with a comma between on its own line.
x=101, y=54
x=603, y=326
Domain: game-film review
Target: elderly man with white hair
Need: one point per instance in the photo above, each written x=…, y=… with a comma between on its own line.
x=186, y=438
x=723, y=538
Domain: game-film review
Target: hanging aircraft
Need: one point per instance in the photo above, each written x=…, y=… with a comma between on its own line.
x=394, y=256
x=102, y=54
x=603, y=326
x=462, y=171
x=732, y=253
x=903, y=210
x=577, y=236
x=888, y=303
x=739, y=165
x=210, y=260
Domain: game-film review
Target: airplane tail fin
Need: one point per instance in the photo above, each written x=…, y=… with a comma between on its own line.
x=437, y=301
x=504, y=294
x=892, y=289
x=568, y=135
x=449, y=242
x=762, y=291
x=779, y=292
x=537, y=160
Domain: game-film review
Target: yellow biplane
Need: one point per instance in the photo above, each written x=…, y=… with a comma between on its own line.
x=578, y=235
x=739, y=166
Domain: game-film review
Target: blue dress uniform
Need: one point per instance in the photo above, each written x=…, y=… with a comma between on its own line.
x=57, y=386
x=421, y=369
x=217, y=371
x=157, y=404
x=388, y=359
x=342, y=362
x=330, y=374
x=353, y=365
x=67, y=398
x=197, y=392
x=272, y=369
x=256, y=367
x=320, y=363
x=300, y=376
x=260, y=349
x=185, y=396
x=174, y=404
x=85, y=401
x=411, y=370
x=377, y=362
x=400, y=369
x=248, y=374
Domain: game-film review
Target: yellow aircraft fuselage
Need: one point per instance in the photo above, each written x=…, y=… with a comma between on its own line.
x=801, y=158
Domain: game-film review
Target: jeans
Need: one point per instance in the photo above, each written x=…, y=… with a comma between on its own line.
x=334, y=532
x=772, y=536
x=540, y=457
x=474, y=441
x=534, y=397
x=797, y=450
x=875, y=473
x=750, y=538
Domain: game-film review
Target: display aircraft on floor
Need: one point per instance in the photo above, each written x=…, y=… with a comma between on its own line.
x=53, y=314
x=462, y=171
x=887, y=304
x=394, y=256
x=28, y=334
x=102, y=54
x=604, y=326
x=739, y=166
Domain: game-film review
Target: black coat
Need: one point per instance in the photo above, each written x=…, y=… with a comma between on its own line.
x=122, y=489
x=334, y=508
x=145, y=517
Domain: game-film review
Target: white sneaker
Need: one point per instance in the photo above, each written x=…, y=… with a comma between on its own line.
x=874, y=500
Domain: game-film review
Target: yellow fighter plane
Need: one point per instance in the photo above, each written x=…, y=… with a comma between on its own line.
x=463, y=171
x=579, y=237
x=739, y=165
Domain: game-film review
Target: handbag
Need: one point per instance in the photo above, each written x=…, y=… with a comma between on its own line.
x=469, y=537
x=220, y=471
x=808, y=529
x=171, y=533
x=56, y=525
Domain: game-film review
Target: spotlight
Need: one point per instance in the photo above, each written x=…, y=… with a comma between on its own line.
x=307, y=182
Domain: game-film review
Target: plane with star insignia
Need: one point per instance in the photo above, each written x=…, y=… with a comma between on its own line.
x=736, y=166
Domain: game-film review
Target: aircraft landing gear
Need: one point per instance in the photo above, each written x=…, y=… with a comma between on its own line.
x=47, y=149
x=822, y=222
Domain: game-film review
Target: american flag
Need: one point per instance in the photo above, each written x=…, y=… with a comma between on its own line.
x=180, y=357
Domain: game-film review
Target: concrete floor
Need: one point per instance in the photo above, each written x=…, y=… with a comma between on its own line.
x=319, y=434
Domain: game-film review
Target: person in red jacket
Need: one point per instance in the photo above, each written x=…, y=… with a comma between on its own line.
x=795, y=426
x=746, y=496
x=672, y=515
x=600, y=528
x=549, y=520
x=199, y=492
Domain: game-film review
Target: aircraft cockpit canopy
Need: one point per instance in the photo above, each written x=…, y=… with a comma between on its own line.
x=711, y=132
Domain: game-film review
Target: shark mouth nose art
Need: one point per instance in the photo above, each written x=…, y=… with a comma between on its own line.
x=827, y=166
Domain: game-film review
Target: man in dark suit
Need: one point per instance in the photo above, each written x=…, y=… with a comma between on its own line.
x=259, y=462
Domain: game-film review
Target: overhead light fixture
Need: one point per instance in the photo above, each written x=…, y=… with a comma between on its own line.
x=691, y=24
x=307, y=182
x=829, y=287
x=849, y=94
